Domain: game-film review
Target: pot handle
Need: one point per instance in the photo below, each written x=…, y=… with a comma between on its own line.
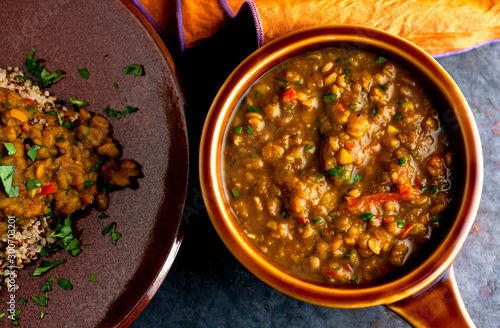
x=439, y=305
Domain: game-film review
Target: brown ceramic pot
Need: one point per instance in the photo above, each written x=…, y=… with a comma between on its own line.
x=426, y=294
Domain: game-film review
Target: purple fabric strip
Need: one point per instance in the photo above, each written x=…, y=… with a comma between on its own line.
x=461, y=51
x=255, y=14
x=180, y=25
x=143, y=10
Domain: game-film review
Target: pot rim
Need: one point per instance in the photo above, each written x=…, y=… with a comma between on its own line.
x=225, y=222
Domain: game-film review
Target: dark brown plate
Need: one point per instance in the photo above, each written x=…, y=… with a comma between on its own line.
x=104, y=37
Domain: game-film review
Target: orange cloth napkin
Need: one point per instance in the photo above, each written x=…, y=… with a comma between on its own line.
x=438, y=26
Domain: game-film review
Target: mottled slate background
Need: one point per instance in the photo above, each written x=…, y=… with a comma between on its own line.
x=207, y=287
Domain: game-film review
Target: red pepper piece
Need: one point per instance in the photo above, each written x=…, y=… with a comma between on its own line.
x=48, y=189
x=289, y=96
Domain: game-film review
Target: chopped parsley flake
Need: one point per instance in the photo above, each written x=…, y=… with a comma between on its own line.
x=46, y=266
x=64, y=284
x=254, y=109
x=32, y=184
x=88, y=184
x=42, y=314
x=374, y=111
x=367, y=216
x=356, y=178
x=398, y=116
x=249, y=130
x=434, y=190
x=282, y=82
x=103, y=216
x=381, y=60
x=114, y=235
x=402, y=161
x=32, y=152
x=308, y=147
x=23, y=301
x=236, y=193
x=436, y=218
x=119, y=114
x=384, y=88
x=94, y=278
x=115, y=85
x=134, y=69
x=401, y=223
x=329, y=98
x=11, y=149
x=78, y=103
x=402, y=101
x=41, y=300
x=31, y=109
x=34, y=67
x=47, y=286
x=6, y=175
x=354, y=106
x=318, y=220
x=84, y=72
x=238, y=129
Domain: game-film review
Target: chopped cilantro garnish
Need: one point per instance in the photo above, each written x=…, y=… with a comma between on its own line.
x=329, y=98
x=354, y=106
x=52, y=112
x=318, y=220
x=78, y=103
x=6, y=175
x=398, y=116
x=65, y=232
x=249, y=130
x=94, y=278
x=400, y=222
x=11, y=149
x=347, y=61
x=336, y=172
x=337, y=60
x=380, y=60
x=367, y=216
x=347, y=79
x=384, y=88
x=107, y=229
x=254, y=109
x=434, y=190
x=283, y=214
x=134, y=69
x=436, y=218
x=115, y=85
x=282, y=82
x=103, y=216
x=84, y=72
x=64, y=284
x=355, y=279
x=32, y=184
x=236, y=193
x=49, y=249
x=23, y=301
x=47, y=286
x=238, y=129
x=34, y=67
x=41, y=300
x=88, y=184
x=119, y=114
x=374, y=111
x=96, y=166
x=114, y=235
x=84, y=137
x=308, y=147
x=402, y=101
x=32, y=152
x=46, y=266
x=356, y=178
x=347, y=71
x=6, y=104
x=2, y=315
x=42, y=314
x=346, y=256
x=402, y=161
x=31, y=109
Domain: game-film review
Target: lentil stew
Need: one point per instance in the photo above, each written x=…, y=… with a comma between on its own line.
x=337, y=166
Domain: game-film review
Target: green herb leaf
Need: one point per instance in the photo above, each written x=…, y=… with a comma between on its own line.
x=347, y=61
x=64, y=284
x=236, y=193
x=73, y=247
x=254, y=109
x=355, y=279
x=32, y=184
x=336, y=172
x=283, y=214
x=134, y=69
x=31, y=109
x=354, y=106
x=6, y=175
x=41, y=300
x=120, y=114
x=49, y=249
x=347, y=71
x=402, y=101
x=107, y=229
x=115, y=85
x=436, y=218
x=78, y=103
x=34, y=67
x=2, y=315
x=383, y=87
x=337, y=60
x=401, y=223
x=23, y=301
x=380, y=60
x=32, y=152
x=84, y=72
x=346, y=256
x=46, y=266
x=318, y=220
x=374, y=111
x=42, y=314
x=329, y=98
x=238, y=129
x=47, y=285
x=308, y=147
x=52, y=112
x=402, y=161
x=96, y=166
x=398, y=116
x=88, y=184
x=115, y=235
x=282, y=82
x=355, y=178
x=94, y=278
x=434, y=190
x=249, y=130
x=347, y=79
x=367, y=216
x=11, y=149
x=103, y=216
